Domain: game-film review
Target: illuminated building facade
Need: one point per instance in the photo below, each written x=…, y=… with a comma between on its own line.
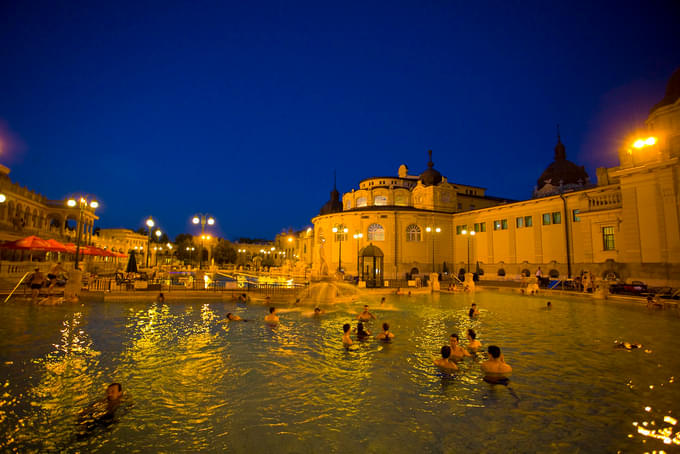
x=627, y=225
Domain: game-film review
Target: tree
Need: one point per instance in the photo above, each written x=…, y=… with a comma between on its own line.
x=224, y=252
x=182, y=242
x=142, y=231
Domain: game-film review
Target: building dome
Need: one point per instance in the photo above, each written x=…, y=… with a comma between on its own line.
x=672, y=91
x=430, y=177
x=334, y=205
x=562, y=172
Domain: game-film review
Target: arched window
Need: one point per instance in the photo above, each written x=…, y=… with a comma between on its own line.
x=348, y=205
x=376, y=232
x=361, y=202
x=413, y=233
x=340, y=234
x=380, y=200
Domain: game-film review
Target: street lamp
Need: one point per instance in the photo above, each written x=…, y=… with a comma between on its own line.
x=149, y=223
x=340, y=234
x=202, y=219
x=358, y=236
x=82, y=205
x=433, y=230
x=191, y=253
x=469, y=236
x=639, y=144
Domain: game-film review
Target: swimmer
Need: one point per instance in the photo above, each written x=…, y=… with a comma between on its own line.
x=346, y=340
x=473, y=312
x=382, y=300
x=361, y=332
x=457, y=352
x=445, y=362
x=548, y=306
x=627, y=345
x=235, y=318
x=385, y=335
x=473, y=343
x=160, y=298
x=36, y=281
x=496, y=366
x=272, y=318
x=102, y=410
x=267, y=299
x=318, y=311
x=297, y=301
x=365, y=315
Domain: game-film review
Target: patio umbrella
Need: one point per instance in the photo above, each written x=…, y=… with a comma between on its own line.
x=57, y=246
x=132, y=263
x=32, y=243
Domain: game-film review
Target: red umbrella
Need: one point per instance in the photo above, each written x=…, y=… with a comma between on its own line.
x=57, y=246
x=32, y=243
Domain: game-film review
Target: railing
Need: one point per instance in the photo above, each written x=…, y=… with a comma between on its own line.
x=16, y=287
x=605, y=201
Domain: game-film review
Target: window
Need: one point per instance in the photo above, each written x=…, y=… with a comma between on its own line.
x=608, y=238
x=528, y=221
x=547, y=218
x=557, y=217
x=459, y=229
x=504, y=224
x=519, y=222
x=575, y=215
x=380, y=200
x=348, y=205
x=361, y=202
x=496, y=225
x=413, y=233
x=340, y=234
x=482, y=227
x=376, y=232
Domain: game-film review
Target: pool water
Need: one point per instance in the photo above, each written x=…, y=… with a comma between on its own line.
x=195, y=383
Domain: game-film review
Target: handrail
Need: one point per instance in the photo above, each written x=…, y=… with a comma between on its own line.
x=17, y=286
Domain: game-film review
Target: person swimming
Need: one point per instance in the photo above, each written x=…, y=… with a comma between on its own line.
x=235, y=318
x=386, y=335
x=473, y=343
x=361, y=332
x=346, y=340
x=473, y=312
x=101, y=412
x=445, y=361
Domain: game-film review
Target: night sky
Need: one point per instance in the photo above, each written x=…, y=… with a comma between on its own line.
x=244, y=109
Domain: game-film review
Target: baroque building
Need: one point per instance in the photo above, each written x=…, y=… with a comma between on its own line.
x=626, y=225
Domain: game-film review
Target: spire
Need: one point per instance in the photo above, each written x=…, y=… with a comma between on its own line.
x=560, y=152
x=430, y=164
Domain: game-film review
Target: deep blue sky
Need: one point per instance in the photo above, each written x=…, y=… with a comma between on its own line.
x=244, y=109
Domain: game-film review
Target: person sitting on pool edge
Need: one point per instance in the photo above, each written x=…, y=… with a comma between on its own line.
x=457, y=352
x=445, y=362
x=272, y=318
x=473, y=343
x=385, y=335
x=365, y=315
x=361, y=332
x=496, y=365
x=346, y=340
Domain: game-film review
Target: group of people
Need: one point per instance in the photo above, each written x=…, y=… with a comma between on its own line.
x=55, y=277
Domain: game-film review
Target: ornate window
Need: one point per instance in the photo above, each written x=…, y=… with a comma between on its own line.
x=608, y=239
x=376, y=232
x=413, y=233
x=361, y=202
x=380, y=200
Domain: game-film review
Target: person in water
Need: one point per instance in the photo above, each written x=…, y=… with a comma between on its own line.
x=365, y=315
x=457, y=352
x=36, y=281
x=318, y=311
x=445, y=361
x=386, y=335
x=361, y=332
x=346, y=340
x=382, y=300
x=473, y=344
x=104, y=410
x=235, y=318
x=160, y=298
x=272, y=318
x=473, y=312
x=496, y=365
x=548, y=306
x=627, y=345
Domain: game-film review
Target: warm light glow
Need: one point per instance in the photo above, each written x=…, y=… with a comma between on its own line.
x=428, y=229
x=158, y=233
x=195, y=220
x=464, y=232
x=290, y=239
x=150, y=222
x=650, y=141
x=437, y=230
x=646, y=142
x=94, y=204
x=169, y=246
x=335, y=230
x=358, y=235
x=3, y=197
x=473, y=233
x=71, y=203
x=211, y=221
x=207, y=237
x=346, y=230
x=82, y=200
x=273, y=248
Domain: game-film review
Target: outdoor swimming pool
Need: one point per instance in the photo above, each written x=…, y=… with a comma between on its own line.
x=195, y=383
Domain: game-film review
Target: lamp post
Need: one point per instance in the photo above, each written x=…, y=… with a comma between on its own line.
x=158, y=234
x=191, y=250
x=82, y=205
x=358, y=236
x=433, y=230
x=469, y=235
x=203, y=219
x=339, y=236
x=639, y=144
x=149, y=223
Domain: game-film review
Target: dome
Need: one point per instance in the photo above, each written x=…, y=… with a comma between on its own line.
x=430, y=177
x=562, y=172
x=672, y=91
x=334, y=205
